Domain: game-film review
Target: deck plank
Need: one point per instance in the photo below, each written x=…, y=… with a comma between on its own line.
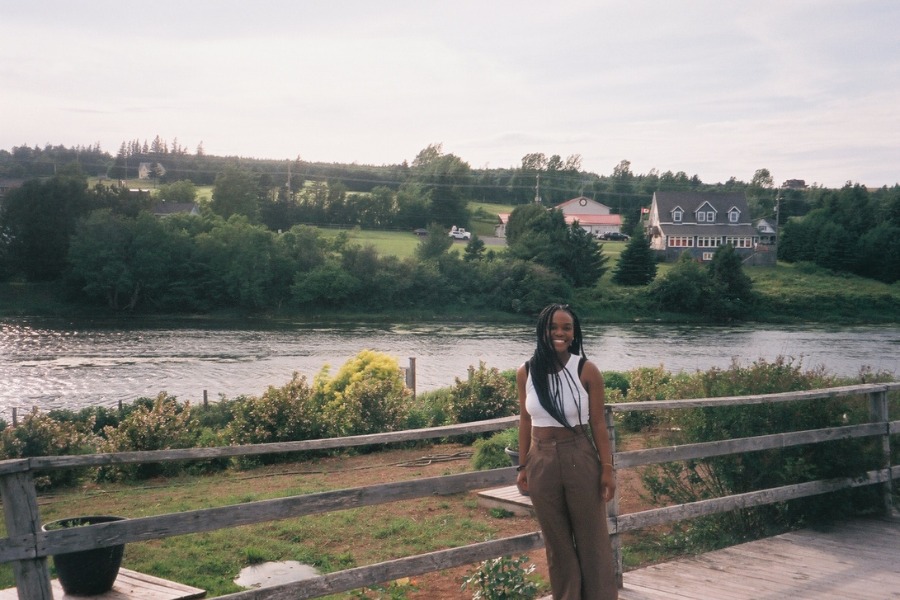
x=129, y=585
x=857, y=560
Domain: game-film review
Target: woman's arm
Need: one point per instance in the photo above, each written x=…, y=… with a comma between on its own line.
x=592, y=380
x=524, y=430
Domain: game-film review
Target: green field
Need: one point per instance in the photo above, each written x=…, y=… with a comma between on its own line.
x=401, y=244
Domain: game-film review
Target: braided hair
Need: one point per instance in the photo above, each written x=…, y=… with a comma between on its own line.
x=547, y=372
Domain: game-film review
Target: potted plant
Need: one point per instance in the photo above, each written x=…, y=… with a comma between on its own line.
x=87, y=572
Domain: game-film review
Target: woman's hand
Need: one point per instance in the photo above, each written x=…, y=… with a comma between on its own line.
x=522, y=482
x=608, y=483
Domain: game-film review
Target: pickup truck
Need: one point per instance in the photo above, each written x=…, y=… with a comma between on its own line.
x=458, y=233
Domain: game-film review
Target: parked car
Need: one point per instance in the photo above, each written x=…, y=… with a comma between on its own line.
x=420, y=231
x=458, y=233
x=613, y=236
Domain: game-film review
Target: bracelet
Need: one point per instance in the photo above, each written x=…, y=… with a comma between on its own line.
x=519, y=468
x=610, y=465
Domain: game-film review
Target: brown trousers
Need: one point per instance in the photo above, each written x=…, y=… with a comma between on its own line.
x=563, y=472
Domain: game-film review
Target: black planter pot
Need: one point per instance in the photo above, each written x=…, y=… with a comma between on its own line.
x=513, y=456
x=87, y=572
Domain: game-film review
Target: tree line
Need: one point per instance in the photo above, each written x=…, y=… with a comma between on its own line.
x=551, y=178
x=851, y=230
x=110, y=250
x=252, y=247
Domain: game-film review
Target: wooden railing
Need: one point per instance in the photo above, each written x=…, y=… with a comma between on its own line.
x=27, y=547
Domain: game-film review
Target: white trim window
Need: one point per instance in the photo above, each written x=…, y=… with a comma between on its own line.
x=707, y=241
x=681, y=241
x=708, y=255
x=734, y=216
x=739, y=242
x=676, y=215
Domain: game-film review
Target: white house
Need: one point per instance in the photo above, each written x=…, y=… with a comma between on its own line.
x=592, y=216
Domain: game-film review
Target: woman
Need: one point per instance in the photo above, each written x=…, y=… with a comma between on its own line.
x=567, y=460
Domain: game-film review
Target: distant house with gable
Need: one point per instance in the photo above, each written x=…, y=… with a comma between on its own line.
x=165, y=209
x=592, y=216
x=699, y=223
x=767, y=231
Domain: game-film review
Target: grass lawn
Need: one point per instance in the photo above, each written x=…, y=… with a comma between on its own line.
x=401, y=244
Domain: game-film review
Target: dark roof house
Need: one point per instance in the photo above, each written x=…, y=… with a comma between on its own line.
x=698, y=223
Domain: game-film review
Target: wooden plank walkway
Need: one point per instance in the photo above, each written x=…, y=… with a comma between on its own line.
x=854, y=560
x=130, y=585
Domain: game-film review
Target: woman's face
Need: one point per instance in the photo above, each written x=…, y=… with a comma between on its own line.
x=561, y=332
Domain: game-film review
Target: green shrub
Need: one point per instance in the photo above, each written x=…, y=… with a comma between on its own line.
x=40, y=435
x=503, y=578
x=692, y=480
x=614, y=380
x=644, y=384
x=429, y=409
x=289, y=413
x=368, y=395
x=485, y=395
x=165, y=425
x=490, y=453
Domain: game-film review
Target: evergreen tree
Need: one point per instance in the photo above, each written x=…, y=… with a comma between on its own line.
x=732, y=288
x=637, y=263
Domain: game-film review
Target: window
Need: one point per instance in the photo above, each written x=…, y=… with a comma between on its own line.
x=734, y=216
x=681, y=241
x=676, y=215
x=739, y=242
x=701, y=217
x=708, y=255
x=705, y=241
x=710, y=217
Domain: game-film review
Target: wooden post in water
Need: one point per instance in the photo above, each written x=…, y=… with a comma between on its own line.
x=15, y=417
x=205, y=399
x=411, y=376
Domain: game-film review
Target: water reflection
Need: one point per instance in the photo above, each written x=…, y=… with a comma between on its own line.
x=53, y=364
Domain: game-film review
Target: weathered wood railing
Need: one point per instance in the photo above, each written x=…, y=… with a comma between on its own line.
x=27, y=547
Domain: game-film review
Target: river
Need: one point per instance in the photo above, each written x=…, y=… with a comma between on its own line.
x=56, y=364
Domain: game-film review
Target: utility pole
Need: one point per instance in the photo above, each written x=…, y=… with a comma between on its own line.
x=537, y=190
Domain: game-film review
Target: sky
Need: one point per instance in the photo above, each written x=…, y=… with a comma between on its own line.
x=808, y=89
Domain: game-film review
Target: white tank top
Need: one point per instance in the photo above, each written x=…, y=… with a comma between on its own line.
x=573, y=394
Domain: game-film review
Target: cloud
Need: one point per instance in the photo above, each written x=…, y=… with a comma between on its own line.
x=711, y=88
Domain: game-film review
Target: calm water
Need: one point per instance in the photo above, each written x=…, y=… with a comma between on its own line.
x=58, y=364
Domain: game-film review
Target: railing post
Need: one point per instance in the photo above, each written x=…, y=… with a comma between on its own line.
x=612, y=508
x=878, y=413
x=20, y=511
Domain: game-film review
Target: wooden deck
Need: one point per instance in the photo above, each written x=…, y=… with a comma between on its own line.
x=130, y=585
x=856, y=560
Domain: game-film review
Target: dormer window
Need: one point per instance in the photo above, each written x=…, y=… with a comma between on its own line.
x=676, y=215
x=706, y=213
x=734, y=215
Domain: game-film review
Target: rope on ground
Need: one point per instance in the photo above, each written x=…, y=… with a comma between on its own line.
x=419, y=462
x=435, y=458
